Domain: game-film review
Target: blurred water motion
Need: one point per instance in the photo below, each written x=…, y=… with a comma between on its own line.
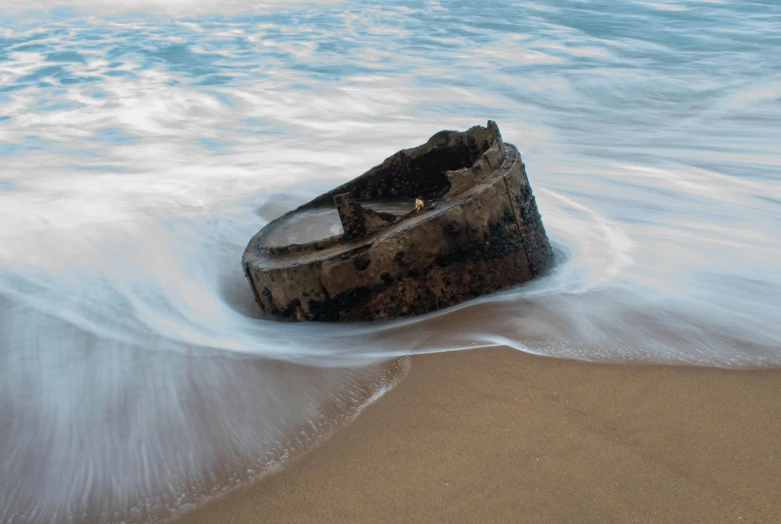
x=143, y=145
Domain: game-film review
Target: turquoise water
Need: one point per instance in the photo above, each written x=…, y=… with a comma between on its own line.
x=142, y=146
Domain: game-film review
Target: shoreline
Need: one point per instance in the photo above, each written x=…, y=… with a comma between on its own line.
x=497, y=435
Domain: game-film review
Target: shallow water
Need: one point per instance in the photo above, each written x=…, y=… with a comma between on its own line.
x=321, y=223
x=143, y=146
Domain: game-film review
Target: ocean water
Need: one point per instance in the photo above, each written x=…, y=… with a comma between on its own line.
x=142, y=145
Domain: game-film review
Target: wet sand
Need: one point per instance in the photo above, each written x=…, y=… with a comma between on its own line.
x=500, y=436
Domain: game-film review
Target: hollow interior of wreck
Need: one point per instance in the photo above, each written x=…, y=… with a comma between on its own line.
x=311, y=225
x=417, y=172
x=390, y=187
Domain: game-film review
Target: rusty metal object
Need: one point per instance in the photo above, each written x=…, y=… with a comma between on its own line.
x=478, y=231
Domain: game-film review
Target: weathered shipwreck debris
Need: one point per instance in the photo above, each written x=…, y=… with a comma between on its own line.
x=472, y=228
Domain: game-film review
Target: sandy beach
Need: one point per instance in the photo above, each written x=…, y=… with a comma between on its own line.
x=497, y=435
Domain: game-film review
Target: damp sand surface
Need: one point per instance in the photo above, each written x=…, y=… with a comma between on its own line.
x=496, y=435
